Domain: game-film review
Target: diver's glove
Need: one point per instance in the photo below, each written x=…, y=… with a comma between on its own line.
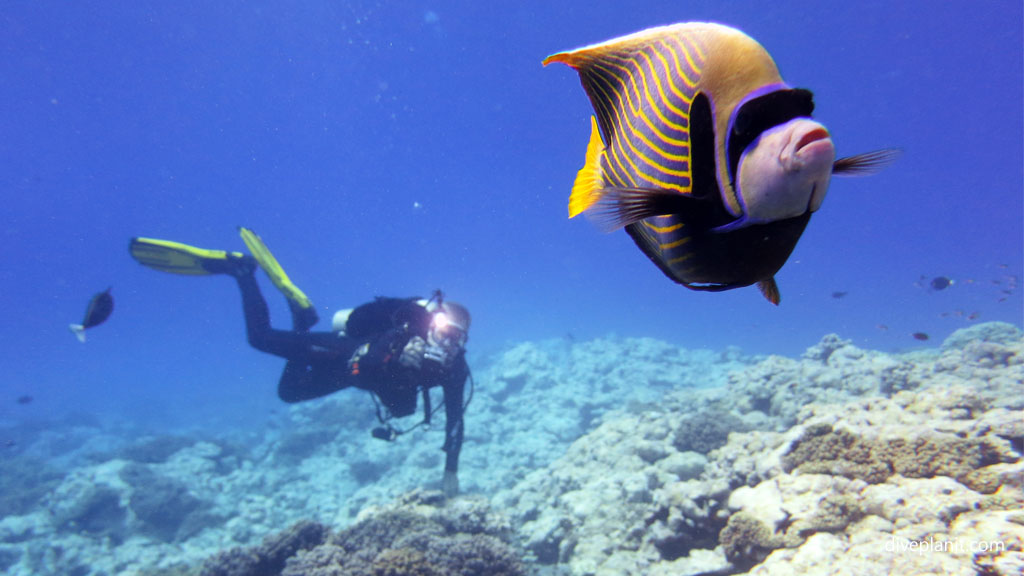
x=439, y=354
x=412, y=353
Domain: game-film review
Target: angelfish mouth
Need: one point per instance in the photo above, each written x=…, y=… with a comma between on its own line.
x=810, y=137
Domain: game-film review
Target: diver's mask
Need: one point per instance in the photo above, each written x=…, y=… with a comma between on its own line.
x=446, y=337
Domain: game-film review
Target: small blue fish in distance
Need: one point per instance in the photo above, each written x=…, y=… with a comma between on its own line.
x=99, y=309
x=711, y=163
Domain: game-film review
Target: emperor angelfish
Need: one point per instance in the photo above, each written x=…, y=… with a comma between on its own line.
x=711, y=163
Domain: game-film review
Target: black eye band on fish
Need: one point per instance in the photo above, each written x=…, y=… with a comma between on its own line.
x=762, y=113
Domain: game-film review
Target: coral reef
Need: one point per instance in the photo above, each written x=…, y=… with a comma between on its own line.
x=119, y=498
x=706, y=431
x=747, y=541
x=614, y=456
x=841, y=452
x=92, y=501
x=23, y=483
x=417, y=536
x=850, y=456
x=156, y=449
x=163, y=506
x=269, y=557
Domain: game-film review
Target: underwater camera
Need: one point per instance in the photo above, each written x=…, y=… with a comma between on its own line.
x=385, y=433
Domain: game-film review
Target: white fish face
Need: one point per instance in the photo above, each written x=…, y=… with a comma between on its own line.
x=785, y=172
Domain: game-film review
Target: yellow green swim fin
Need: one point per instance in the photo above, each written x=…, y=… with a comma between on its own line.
x=178, y=258
x=270, y=265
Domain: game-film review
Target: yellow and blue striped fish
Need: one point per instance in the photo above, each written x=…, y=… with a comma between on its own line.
x=703, y=154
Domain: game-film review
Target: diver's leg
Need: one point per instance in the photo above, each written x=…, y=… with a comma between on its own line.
x=257, y=318
x=304, y=315
x=300, y=347
x=257, y=322
x=254, y=307
x=303, y=380
x=295, y=380
x=324, y=369
x=302, y=318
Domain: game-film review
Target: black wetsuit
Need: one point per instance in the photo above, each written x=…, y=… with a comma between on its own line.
x=318, y=362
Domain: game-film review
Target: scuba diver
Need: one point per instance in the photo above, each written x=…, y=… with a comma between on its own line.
x=395, y=348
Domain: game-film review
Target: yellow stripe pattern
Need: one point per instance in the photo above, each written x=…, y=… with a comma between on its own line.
x=642, y=94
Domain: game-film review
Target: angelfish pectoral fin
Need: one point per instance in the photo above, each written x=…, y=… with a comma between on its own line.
x=620, y=207
x=586, y=190
x=865, y=164
x=770, y=290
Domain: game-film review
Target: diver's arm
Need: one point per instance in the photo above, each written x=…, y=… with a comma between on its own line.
x=454, y=392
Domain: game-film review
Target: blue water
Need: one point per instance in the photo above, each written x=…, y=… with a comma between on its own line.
x=394, y=148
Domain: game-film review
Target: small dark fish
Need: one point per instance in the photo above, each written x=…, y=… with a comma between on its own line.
x=26, y=399
x=920, y=336
x=838, y=295
x=99, y=309
x=940, y=283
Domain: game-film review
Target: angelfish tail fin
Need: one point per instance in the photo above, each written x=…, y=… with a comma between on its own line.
x=78, y=330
